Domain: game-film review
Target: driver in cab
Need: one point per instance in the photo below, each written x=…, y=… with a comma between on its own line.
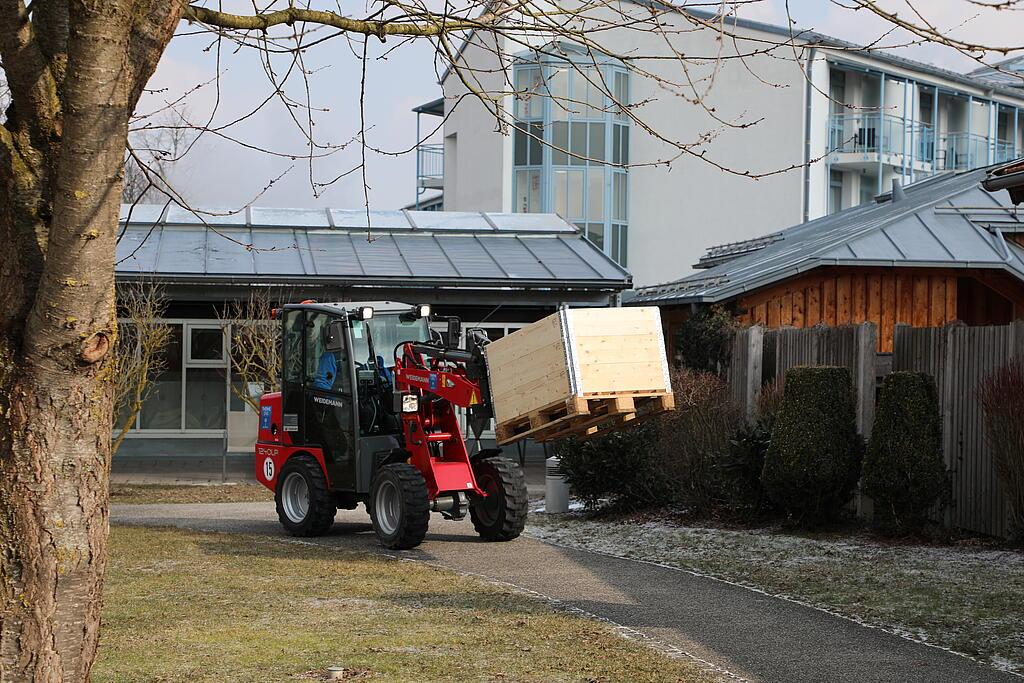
x=327, y=367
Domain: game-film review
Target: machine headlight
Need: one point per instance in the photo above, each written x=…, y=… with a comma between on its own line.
x=423, y=310
x=410, y=403
x=365, y=312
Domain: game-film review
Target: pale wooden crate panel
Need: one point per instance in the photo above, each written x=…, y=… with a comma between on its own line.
x=528, y=369
x=577, y=353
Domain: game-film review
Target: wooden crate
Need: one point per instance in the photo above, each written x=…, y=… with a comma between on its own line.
x=579, y=372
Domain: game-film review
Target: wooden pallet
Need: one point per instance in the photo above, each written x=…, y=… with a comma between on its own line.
x=583, y=416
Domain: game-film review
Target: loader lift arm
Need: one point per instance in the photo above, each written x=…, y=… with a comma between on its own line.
x=431, y=381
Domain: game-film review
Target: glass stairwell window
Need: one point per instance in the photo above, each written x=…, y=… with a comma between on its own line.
x=571, y=146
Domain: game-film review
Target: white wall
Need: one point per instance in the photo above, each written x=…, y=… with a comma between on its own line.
x=474, y=176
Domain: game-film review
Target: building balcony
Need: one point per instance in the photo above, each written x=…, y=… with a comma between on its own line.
x=1004, y=152
x=430, y=166
x=963, y=151
x=862, y=141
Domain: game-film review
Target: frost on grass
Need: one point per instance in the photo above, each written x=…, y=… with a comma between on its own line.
x=964, y=599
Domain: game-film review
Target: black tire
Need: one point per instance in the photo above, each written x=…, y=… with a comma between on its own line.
x=319, y=510
x=501, y=516
x=399, y=509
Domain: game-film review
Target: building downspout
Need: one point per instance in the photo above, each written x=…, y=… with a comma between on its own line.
x=808, y=92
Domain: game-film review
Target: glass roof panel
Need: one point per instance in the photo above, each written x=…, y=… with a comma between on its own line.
x=355, y=219
x=451, y=220
x=290, y=218
x=206, y=215
x=531, y=222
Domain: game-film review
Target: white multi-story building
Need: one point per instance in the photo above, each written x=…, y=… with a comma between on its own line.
x=844, y=121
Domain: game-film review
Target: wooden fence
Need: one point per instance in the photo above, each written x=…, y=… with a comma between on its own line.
x=759, y=357
x=957, y=356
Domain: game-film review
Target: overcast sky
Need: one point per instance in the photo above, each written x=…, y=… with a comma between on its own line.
x=224, y=173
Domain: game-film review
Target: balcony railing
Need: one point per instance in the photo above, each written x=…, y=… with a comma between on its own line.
x=429, y=165
x=876, y=133
x=962, y=151
x=1004, y=151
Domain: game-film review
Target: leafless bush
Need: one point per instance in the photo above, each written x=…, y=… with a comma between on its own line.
x=695, y=439
x=1002, y=395
x=255, y=347
x=139, y=353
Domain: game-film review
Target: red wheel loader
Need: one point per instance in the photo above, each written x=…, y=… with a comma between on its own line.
x=367, y=413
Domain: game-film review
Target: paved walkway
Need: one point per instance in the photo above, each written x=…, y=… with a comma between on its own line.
x=743, y=632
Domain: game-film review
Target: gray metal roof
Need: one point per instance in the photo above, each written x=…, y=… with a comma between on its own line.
x=1009, y=72
x=442, y=248
x=946, y=221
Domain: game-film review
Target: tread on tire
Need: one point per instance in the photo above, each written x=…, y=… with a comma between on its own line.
x=413, y=507
x=320, y=515
x=506, y=519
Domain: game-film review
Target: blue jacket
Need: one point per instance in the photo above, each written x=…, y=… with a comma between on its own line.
x=326, y=371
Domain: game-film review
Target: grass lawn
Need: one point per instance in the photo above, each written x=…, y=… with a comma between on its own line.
x=184, y=606
x=188, y=493
x=968, y=599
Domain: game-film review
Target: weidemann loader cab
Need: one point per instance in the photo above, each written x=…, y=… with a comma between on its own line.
x=367, y=414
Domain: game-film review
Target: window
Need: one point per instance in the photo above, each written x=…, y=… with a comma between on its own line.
x=292, y=346
x=206, y=344
x=162, y=409
x=835, y=192
x=325, y=370
x=529, y=94
x=618, y=244
x=528, y=199
x=868, y=189
x=205, y=399
x=529, y=144
x=580, y=173
x=191, y=391
x=206, y=377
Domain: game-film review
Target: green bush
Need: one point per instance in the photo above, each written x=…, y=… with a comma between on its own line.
x=741, y=468
x=903, y=471
x=704, y=340
x=813, y=461
x=617, y=468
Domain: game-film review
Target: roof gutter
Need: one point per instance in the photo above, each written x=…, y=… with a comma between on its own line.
x=363, y=282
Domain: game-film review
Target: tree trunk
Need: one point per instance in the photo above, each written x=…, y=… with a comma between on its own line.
x=54, y=386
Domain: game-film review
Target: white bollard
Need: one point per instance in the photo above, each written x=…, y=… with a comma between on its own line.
x=556, y=491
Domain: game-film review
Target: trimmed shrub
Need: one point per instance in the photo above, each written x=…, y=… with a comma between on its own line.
x=704, y=341
x=1002, y=395
x=813, y=461
x=618, y=468
x=903, y=470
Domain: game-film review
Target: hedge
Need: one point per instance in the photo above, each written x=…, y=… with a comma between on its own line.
x=813, y=461
x=904, y=472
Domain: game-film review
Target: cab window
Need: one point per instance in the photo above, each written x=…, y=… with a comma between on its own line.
x=325, y=370
x=291, y=342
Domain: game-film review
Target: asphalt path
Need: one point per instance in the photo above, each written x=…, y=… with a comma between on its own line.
x=741, y=633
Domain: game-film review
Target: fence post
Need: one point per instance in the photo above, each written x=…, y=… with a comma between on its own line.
x=752, y=374
x=745, y=368
x=865, y=356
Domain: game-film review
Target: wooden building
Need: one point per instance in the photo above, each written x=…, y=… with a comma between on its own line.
x=937, y=251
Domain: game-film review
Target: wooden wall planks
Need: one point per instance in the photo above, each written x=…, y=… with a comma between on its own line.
x=851, y=296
